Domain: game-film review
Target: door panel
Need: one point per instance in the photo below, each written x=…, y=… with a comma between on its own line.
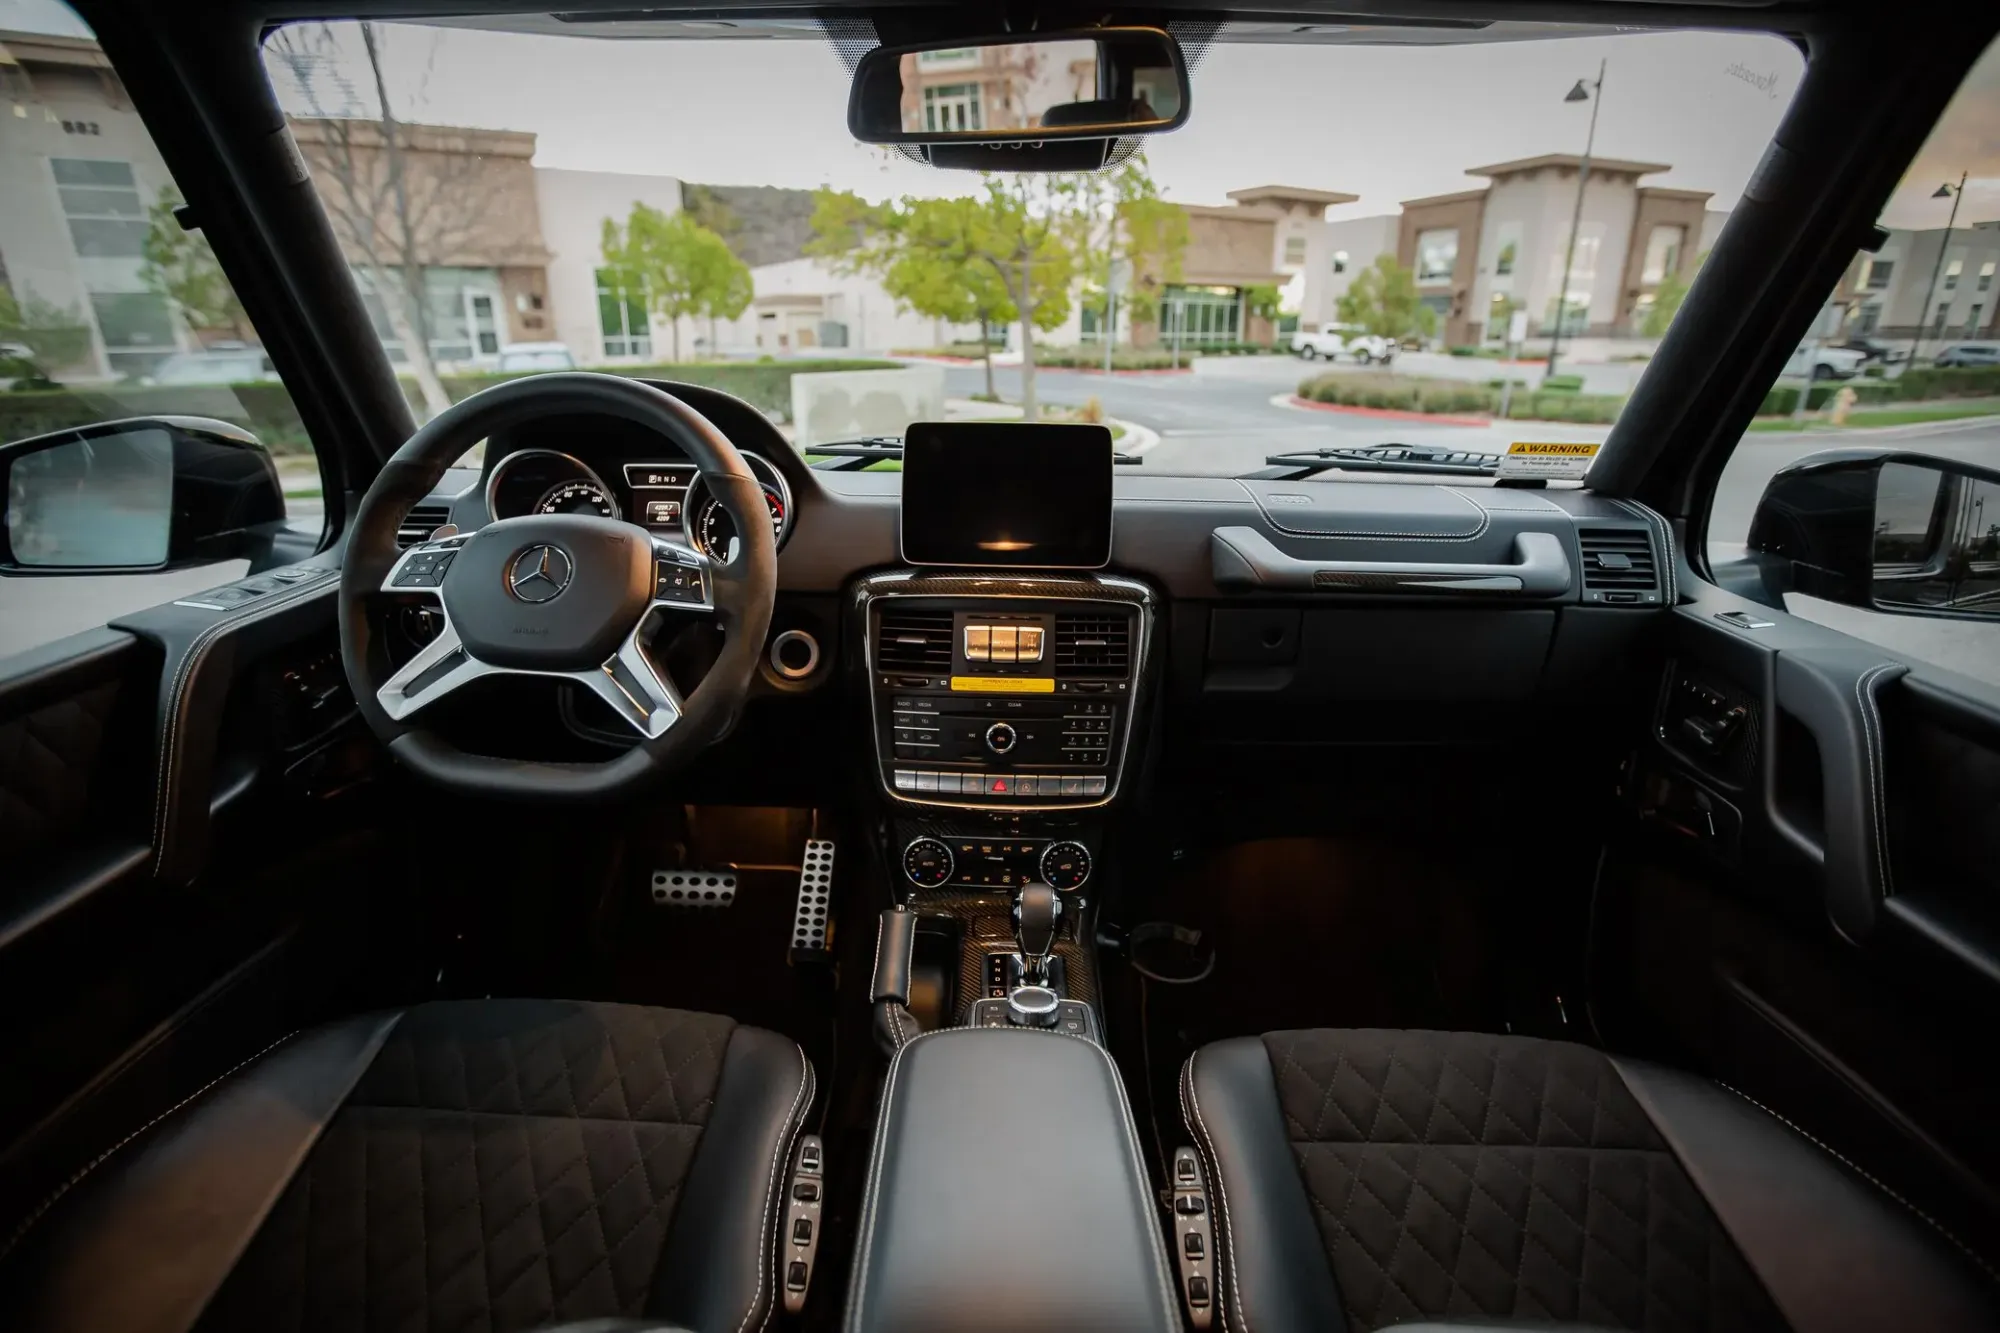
x=1806, y=900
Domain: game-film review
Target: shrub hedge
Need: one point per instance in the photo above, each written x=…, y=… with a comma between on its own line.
x=1406, y=393
x=266, y=410
x=1092, y=358
x=1783, y=399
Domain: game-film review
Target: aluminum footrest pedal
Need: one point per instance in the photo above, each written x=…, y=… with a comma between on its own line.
x=1194, y=1237
x=805, y=1201
x=812, y=911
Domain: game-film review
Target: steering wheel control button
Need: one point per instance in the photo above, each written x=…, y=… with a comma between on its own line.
x=927, y=863
x=1001, y=737
x=681, y=585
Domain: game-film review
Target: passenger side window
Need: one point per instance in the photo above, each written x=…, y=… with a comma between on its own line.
x=110, y=310
x=1904, y=360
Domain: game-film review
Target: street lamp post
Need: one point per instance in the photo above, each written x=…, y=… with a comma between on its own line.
x=1595, y=96
x=1930, y=293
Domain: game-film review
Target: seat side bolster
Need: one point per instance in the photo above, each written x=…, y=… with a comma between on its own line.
x=1835, y=1252
x=718, y=1272
x=1272, y=1264
x=143, y=1243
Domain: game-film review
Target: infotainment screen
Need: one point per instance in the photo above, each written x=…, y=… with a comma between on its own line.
x=1007, y=494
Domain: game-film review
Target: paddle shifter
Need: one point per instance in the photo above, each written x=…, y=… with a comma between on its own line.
x=1037, y=913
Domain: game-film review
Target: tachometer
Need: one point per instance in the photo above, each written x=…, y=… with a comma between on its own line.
x=577, y=497
x=715, y=529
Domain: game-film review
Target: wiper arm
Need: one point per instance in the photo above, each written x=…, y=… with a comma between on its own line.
x=1376, y=458
x=853, y=455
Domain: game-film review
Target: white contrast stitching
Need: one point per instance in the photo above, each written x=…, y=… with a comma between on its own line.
x=1871, y=743
x=1914, y=1211
x=1670, y=565
x=106, y=1155
x=1485, y=521
x=197, y=649
x=1191, y=1108
x=767, y=1236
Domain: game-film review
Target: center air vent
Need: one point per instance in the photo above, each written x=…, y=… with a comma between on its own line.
x=1093, y=643
x=914, y=641
x=1618, y=565
x=419, y=523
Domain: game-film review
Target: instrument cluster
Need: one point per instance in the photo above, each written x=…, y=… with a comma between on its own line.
x=664, y=496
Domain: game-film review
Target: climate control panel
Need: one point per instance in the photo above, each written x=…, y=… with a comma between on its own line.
x=999, y=861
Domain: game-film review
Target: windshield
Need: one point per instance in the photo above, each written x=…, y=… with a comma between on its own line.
x=1446, y=247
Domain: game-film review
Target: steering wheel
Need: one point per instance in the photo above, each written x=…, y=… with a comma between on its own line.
x=563, y=596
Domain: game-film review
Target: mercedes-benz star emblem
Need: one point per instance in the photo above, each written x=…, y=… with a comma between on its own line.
x=539, y=574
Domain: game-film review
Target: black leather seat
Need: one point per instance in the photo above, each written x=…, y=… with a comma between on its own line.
x=1365, y=1179
x=494, y=1165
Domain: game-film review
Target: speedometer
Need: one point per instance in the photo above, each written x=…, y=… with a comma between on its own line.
x=715, y=529
x=577, y=497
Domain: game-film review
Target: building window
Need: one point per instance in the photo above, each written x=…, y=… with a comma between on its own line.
x=1201, y=315
x=1340, y=261
x=107, y=218
x=1985, y=277
x=1871, y=318
x=948, y=56
x=1663, y=254
x=1437, y=254
x=1295, y=249
x=621, y=318
x=1503, y=262
x=1951, y=272
x=137, y=328
x=952, y=106
x=1972, y=318
x=1879, y=272
x=1575, y=313
x=1943, y=313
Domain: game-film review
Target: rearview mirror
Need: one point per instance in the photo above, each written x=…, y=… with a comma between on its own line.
x=141, y=494
x=1089, y=83
x=1897, y=532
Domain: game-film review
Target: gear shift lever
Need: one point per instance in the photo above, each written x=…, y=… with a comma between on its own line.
x=1037, y=913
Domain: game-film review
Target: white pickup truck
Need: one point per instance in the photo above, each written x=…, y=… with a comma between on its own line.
x=1333, y=341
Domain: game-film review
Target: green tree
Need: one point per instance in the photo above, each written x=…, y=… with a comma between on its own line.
x=1261, y=300
x=1667, y=299
x=1121, y=221
x=179, y=265
x=1015, y=238
x=55, y=336
x=684, y=269
x=1383, y=300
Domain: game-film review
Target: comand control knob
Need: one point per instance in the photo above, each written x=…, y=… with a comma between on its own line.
x=1033, y=1007
x=1065, y=865
x=1001, y=737
x=927, y=863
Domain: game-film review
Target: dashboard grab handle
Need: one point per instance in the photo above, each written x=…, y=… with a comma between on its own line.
x=1244, y=559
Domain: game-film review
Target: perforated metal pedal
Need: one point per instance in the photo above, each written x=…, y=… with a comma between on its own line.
x=812, y=914
x=694, y=888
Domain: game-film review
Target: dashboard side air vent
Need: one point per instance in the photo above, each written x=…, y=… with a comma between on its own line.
x=1092, y=643
x=419, y=523
x=914, y=641
x=1618, y=565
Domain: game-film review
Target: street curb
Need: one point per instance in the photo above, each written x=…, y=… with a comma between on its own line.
x=1099, y=370
x=1379, y=413
x=1138, y=439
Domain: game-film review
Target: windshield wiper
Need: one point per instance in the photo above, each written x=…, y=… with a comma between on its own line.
x=853, y=455
x=1376, y=458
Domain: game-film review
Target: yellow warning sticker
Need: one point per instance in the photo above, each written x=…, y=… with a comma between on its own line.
x=1548, y=460
x=1003, y=685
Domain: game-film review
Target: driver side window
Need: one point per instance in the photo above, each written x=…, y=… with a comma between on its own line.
x=112, y=310
x=1903, y=364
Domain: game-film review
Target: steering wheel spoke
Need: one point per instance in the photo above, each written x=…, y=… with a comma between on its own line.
x=439, y=667
x=634, y=688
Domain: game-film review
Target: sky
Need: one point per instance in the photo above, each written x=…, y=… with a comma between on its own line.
x=1385, y=123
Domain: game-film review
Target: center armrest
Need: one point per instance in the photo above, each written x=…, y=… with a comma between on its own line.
x=1007, y=1191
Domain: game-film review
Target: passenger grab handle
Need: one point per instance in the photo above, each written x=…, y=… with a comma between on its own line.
x=1245, y=559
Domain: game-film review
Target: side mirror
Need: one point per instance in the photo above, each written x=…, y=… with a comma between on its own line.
x=1021, y=88
x=139, y=495
x=1897, y=532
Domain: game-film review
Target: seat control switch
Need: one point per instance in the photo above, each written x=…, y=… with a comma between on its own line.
x=798, y=1243
x=1194, y=1249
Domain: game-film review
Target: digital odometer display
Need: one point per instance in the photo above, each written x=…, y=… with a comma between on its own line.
x=1007, y=494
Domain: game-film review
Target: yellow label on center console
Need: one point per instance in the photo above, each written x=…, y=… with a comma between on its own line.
x=1003, y=685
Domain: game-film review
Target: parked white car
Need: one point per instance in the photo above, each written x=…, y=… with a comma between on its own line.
x=1333, y=341
x=1823, y=363
x=535, y=356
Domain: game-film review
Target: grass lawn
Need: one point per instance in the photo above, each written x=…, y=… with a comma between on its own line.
x=1914, y=415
